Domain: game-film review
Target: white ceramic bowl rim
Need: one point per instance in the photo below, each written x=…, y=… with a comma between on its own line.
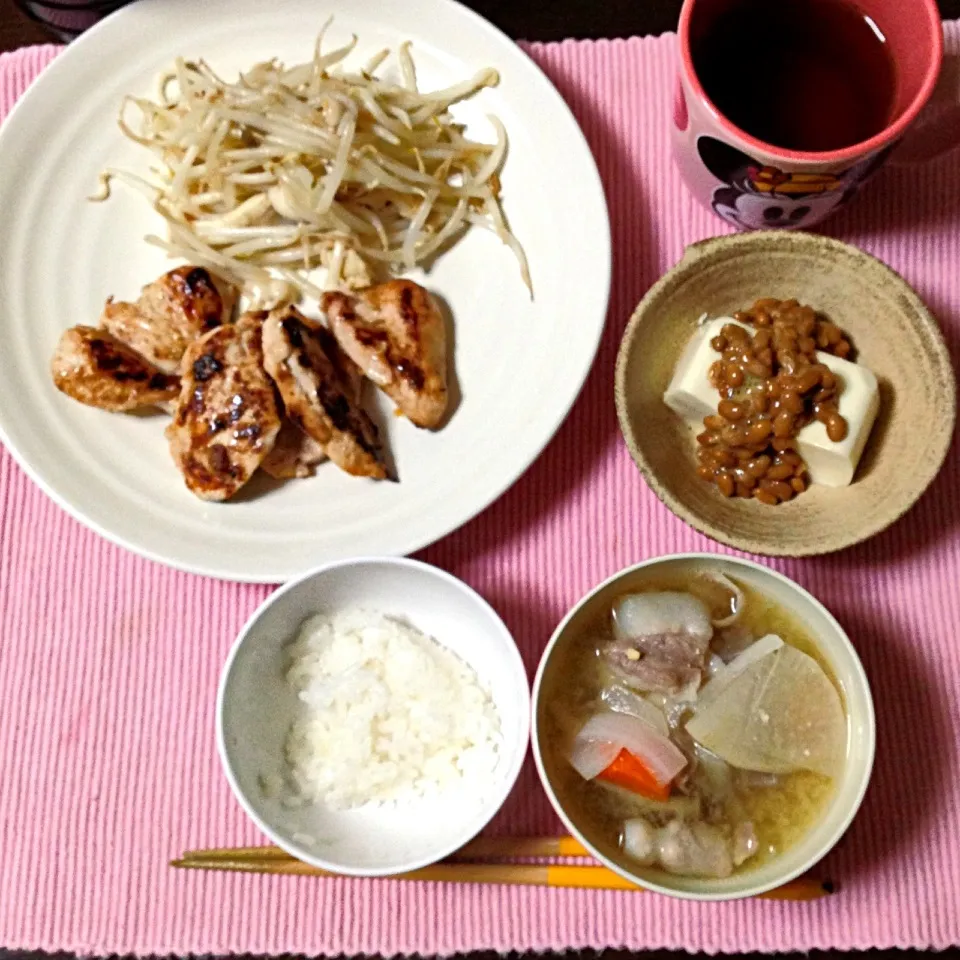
x=508, y=777
x=869, y=723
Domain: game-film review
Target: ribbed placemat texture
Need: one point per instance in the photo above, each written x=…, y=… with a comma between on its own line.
x=109, y=663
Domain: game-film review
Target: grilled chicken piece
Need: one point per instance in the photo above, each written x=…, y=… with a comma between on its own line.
x=353, y=378
x=97, y=369
x=294, y=454
x=394, y=332
x=226, y=420
x=318, y=396
x=171, y=313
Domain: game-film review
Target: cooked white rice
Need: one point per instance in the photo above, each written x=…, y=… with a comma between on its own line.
x=388, y=714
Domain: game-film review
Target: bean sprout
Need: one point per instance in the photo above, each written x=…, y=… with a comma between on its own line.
x=290, y=168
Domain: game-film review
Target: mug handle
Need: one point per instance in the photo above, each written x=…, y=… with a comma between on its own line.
x=937, y=128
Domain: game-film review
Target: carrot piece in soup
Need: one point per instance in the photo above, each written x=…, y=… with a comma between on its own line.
x=629, y=772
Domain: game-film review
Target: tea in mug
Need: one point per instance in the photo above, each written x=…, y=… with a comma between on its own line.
x=810, y=75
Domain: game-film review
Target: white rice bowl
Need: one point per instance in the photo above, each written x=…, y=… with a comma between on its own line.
x=383, y=736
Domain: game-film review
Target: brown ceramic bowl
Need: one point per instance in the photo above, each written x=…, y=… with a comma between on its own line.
x=895, y=336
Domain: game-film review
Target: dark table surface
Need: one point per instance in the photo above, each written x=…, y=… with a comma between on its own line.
x=521, y=19
x=527, y=20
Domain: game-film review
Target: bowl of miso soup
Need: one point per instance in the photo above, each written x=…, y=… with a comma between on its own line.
x=704, y=726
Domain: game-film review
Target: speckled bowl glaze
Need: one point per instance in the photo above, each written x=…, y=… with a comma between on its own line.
x=895, y=336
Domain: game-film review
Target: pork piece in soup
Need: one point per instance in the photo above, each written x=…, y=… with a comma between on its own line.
x=695, y=724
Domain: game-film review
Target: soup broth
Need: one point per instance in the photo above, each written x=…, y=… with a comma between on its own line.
x=712, y=800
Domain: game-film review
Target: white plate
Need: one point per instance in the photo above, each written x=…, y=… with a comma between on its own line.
x=519, y=364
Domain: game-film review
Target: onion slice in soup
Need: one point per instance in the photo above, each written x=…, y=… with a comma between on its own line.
x=736, y=600
x=591, y=757
x=619, y=731
x=622, y=700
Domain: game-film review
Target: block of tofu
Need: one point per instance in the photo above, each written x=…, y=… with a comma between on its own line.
x=691, y=397
x=834, y=464
x=690, y=394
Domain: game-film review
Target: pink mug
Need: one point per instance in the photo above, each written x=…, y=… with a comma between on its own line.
x=754, y=184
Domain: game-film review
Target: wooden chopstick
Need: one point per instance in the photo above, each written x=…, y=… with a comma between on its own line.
x=483, y=848
x=273, y=860
x=504, y=873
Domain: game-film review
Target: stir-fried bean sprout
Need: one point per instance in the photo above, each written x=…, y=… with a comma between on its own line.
x=292, y=168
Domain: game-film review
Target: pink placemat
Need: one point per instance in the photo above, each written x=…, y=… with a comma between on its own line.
x=109, y=663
